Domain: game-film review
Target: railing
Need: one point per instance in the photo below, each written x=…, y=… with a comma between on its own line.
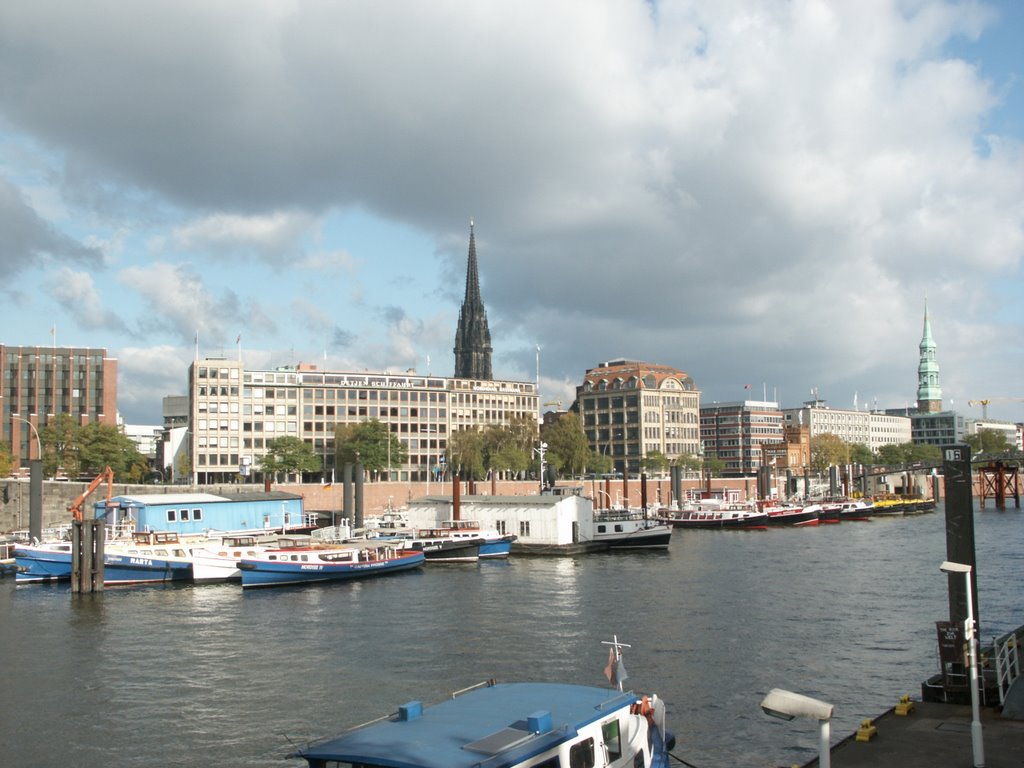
x=1007, y=655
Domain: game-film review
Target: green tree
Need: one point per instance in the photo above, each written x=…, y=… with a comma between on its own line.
x=289, y=455
x=104, y=445
x=183, y=465
x=599, y=464
x=506, y=448
x=568, y=450
x=689, y=463
x=828, y=450
x=465, y=454
x=372, y=443
x=6, y=460
x=861, y=454
x=907, y=453
x=988, y=441
x=655, y=462
x=61, y=439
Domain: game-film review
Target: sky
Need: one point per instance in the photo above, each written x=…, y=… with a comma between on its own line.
x=755, y=192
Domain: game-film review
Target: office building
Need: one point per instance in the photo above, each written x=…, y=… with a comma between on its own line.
x=630, y=409
x=871, y=428
x=735, y=432
x=41, y=383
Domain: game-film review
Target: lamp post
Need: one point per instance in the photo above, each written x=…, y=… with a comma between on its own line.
x=971, y=636
x=786, y=705
x=35, y=485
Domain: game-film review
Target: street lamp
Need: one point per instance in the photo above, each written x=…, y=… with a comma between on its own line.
x=39, y=443
x=786, y=705
x=35, y=485
x=971, y=636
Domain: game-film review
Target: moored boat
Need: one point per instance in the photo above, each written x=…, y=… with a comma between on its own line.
x=218, y=560
x=493, y=544
x=509, y=725
x=313, y=564
x=630, y=529
x=794, y=516
x=728, y=516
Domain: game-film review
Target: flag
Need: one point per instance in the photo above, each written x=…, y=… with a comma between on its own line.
x=615, y=670
x=239, y=339
x=746, y=386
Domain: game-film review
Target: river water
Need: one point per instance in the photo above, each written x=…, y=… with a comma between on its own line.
x=196, y=676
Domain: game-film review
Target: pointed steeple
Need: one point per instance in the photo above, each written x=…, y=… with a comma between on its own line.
x=929, y=393
x=473, y=337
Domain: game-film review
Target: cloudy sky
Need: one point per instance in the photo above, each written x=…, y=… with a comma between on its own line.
x=756, y=192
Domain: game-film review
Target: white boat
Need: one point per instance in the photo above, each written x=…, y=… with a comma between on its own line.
x=511, y=725
x=494, y=543
x=630, y=529
x=218, y=560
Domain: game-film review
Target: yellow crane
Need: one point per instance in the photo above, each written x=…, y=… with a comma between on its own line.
x=984, y=403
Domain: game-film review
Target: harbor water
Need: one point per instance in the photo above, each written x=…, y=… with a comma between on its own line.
x=209, y=675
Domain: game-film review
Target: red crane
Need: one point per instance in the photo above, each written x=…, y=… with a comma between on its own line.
x=76, y=506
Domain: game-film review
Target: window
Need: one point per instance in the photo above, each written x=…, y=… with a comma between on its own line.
x=612, y=743
x=172, y=515
x=197, y=514
x=524, y=527
x=184, y=515
x=581, y=755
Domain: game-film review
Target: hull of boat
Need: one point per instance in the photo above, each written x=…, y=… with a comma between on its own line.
x=496, y=548
x=803, y=517
x=751, y=523
x=263, y=573
x=39, y=564
x=653, y=537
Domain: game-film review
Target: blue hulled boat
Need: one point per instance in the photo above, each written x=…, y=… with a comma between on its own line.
x=317, y=563
x=509, y=726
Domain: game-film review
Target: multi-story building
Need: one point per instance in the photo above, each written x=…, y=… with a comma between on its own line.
x=630, y=409
x=734, y=432
x=941, y=429
x=871, y=428
x=236, y=412
x=41, y=383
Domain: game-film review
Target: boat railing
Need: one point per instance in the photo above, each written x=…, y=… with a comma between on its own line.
x=1007, y=654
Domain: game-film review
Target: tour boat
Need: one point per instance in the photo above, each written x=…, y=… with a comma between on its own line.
x=630, y=529
x=508, y=725
x=150, y=557
x=845, y=510
x=739, y=517
x=218, y=560
x=794, y=516
x=317, y=563
x=494, y=544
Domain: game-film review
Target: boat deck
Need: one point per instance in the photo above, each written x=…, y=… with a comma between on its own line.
x=933, y=734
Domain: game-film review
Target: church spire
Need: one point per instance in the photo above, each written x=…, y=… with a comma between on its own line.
x=472, y=338
x=929, y=393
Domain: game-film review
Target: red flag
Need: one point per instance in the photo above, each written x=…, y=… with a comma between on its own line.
x=609, y=670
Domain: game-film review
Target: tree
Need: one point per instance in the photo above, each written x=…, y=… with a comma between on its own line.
x=184, y=465
x=61, y=439
x=828, y=450
x=6, y=460
x=466, y=454
x=861, y=454
x=655, y=462
x=907, y=453
x=568, y=451
x=104, y=445
x=988, y=441
x=689, y=463
x=506, y=448
x=371, y=443
x=290, y=455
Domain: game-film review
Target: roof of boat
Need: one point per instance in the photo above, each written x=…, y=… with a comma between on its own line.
x=488, y=725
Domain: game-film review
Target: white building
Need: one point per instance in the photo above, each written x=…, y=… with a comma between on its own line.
x=871, y=428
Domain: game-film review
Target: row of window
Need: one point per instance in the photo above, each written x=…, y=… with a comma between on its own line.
x=184, y=515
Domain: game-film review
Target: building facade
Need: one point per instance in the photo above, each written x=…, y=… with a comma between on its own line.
x=235, y=413
x=630, y=409
x=735, y=432
x=41, y=383
x=871, y=428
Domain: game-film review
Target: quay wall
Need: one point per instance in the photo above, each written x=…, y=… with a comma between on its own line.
x=377, y=496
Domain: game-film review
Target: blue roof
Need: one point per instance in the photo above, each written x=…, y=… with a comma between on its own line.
x=488, y=725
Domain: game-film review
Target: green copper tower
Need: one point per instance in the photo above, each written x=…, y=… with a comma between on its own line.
x=929, y=393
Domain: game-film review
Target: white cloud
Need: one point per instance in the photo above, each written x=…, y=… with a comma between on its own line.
x=276, y=238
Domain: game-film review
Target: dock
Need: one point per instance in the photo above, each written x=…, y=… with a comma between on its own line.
x=932, y=734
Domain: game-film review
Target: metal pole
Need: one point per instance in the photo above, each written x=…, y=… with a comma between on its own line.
x=977, y=742
x=824, y=735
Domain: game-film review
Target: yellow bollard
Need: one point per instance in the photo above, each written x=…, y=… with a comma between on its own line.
x=867, y=731
x=905, y=707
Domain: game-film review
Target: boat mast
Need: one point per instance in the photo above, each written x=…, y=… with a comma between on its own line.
x=615, y=671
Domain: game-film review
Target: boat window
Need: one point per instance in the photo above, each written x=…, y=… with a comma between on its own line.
x=610, y=734
x=581, y=754
x=551, y=762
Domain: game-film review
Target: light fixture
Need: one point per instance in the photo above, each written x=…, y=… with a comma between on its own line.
x=970, y=637
x=787, y=705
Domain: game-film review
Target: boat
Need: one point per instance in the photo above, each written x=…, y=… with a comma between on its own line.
x=630, y=529
x=717, y=515
x=150, y=557
x=508, y=725
x=494, y=544
x=794, y=515
x=846, y=510
x=437, y=545
x=218, y=561
x=317, y=563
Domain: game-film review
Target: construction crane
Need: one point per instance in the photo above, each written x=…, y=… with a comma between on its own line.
x=76, y=506
x=984, y=403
